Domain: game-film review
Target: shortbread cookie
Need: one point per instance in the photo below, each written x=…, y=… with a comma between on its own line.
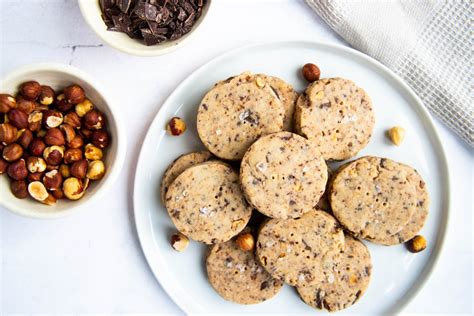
x=235, y=113
x=283, y=175
x=297, y=250
x=337, y=115
x=372, y=198
x=180, y=164
x=344, y=283
x=205, y=203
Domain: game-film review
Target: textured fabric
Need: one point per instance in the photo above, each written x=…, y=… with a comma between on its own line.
x=427, y=43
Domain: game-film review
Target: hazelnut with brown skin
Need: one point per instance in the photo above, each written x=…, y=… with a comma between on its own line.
x=96, y=170
x=74, y=94
x=53, y=155
x=8, y=133
x=25, y=138
x=17, y=170
x=18, y=118
x=100, y=139
x=37, y=147
x=34, y=176
x=30, y=90
x=53, y=180
x=46, y=96
x=3, y=166
x=52, y=119
x=76, y=142
x=62, y=104
x=68, y=131
x=92, y=152
x=58, y=194
x=35, y=164
x=7, y=103
x=54, y=136
x=85, y=133
x=12, y=152
x=416, y=244
x=176, y=126
x=65, y=171
x=245, y=242
x=94, y=120
x=34, y=120
x=73, y=188
x=179, y=242
x=311, y=72
x=25, y=105
x=72, y=155
x=84, y=107
x=72, y=119
x=19, y=189
x=79, y=169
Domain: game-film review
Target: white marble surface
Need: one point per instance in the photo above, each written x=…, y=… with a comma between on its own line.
x=91, y=262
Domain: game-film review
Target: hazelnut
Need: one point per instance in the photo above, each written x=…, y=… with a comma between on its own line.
x=52, y=180
x=8, y=133
x=46, y=96
x=72, y=119
x=311, y=72
x=25, y=138
x=19, y=189
x=94, y=120
x=18, y=118
x=52, y=167
x=260, y=82
x=96, y=170
x=17, y=170
x=58, y=194
x=54, y=136
x=53, y=155
x=179, y=242
x=38, y=191
x=245, y=242
x=12, y=152
x=25, y=105
x=74, y=94
x=34, y=120
x=41, y=133
x=73, y=188
x=68, y=132
x=35, y=164
x=397, y=135
x=3, y=166
x=7, y=103
x=85, y=133
x=62, y=104
x=65, y=171
x=79, y=169
x=76, y=142
x=52, y=118
x=100, y=139
x=84, y=107
x=50, y=200
x=30, y=90
x=72, y=154
x=37, y=176
x=92, y=153
x=416, y=244
x=176, y=126
x=37, y=147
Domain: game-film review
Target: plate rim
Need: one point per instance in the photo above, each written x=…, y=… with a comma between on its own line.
x=423, y=114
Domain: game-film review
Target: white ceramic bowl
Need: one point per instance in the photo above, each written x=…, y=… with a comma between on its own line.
x=59, y=76
x=93, y=15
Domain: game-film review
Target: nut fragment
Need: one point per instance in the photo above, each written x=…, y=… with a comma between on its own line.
x=35, y=164
x=46, y=96
x=92, y=153
x=74, y=94
x=79, y=169
x=96, y=170
x=65, y=171
x=311, y=72
x=62, y=104
x=52, y=118
x=260, y=82
x=176, y=126
x=18, y=118
x=416, y=244
x=53, y=155
x=54, y=136
x=84, y=107
x=37, y=147
x=397, y=135
x=3, y=166
x=25, y=105
x=179, y=242
x=7, y=103
x=73, y=188
x=72, y=119
x=12, y=152
x=94, y=120
x=17, y=170
x=50, y=200
x=38, y=191
x=52, y=180
x=19, y=189
x=34, y=120
x=100, y=139
x=25, y=138
x=68, y=131
x=245, y=242
x=30, y=90
x=8, y=133
x=72, y=154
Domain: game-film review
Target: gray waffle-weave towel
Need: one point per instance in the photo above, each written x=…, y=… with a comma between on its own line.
x=427, y=43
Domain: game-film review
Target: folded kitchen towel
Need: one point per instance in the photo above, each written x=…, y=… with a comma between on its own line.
x=427, y=43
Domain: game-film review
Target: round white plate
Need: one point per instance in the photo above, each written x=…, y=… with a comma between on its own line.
x=397, y=273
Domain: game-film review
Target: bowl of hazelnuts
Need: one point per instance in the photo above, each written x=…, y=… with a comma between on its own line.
x=61, y=144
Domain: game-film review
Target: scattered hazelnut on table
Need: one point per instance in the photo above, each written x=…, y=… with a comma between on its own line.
x=38, y=191
x=416, y=244
x=8, y=133
x=73, y=188
x=311, y=72
x=12, y=152
x=245, y=241
x=46, y=96
x=396, y=135
x=7, y=103
x=176, y=126
x=74, y=94
x=30, y=90
x=179, y=242
x=19, y=189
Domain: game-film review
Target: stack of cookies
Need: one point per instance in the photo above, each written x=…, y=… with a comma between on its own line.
x=268, y=153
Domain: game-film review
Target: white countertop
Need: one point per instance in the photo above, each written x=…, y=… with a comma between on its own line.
x=91, y=262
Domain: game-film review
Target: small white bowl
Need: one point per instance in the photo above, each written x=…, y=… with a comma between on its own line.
x=58, y=76
x=93, y=15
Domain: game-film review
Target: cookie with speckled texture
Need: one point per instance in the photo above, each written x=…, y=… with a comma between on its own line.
x=206, y=204
x=297, y=250
x=418, y=218
x=337, y=115
x=238, y=276
x=345, y=282
x=235, y=113
x=283, y=175
x=372, y=198
x=180, y=164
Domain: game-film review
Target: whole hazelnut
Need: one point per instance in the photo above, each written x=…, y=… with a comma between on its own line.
x=74, y=94
x=176, y=126
x=7, y=103
x=65, y=171
x=85, y=133
x=92, y=153
x=94, y=120
x=396, y=135
x=54, y=136
x=53, y=155
x=37, y=176
x=35, y=164
x=76, y=142
x=72, y=154
x=18, y=118
x=245, y=242
x=68, y=131
x=34, y=120
x=100, y=139
x=52, y=119
x=46, y=96
x=58, y=194
x=179, y=242
x=311, y=72
x=62, y=104
x=73, y=188
x=38, y=191
x=84, y=107
x=416, y=244
x=8, y=133
x=96, y=170
x=72, y=119
x=26, y=136
x=30, y=90
x=79, y=169
x=17, y=170
x=25, y=105
x=52, y=180
x=3, y=166
x=12, y=152
x=19, y=189
x=37, y=147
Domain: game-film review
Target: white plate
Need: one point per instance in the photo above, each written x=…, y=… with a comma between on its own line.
x=397, y=274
